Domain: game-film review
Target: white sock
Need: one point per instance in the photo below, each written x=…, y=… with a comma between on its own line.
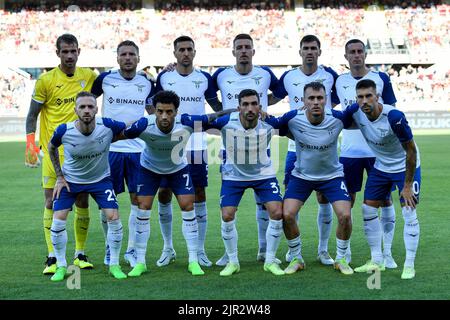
x=230, y=240
x=295, y=246
x=165, y=222
x=104, y=222
x=142, y=234
x=372, y=230
x=58, y=233
x=190, y=233
x=411, y=234
x=341, y=248
x=201, y=213
x=324, y=224
x=388, y=225
x=114, y=238
x=273, y=238
x=262, y=219
x=132, y=227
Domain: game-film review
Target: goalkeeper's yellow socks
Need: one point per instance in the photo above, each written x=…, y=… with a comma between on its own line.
x=48, y=218
x=81, y=225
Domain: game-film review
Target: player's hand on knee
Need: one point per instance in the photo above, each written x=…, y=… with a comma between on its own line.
x=409, y=197
x=60, y=184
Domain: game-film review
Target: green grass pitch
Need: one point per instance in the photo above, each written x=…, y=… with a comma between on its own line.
x=23, y=248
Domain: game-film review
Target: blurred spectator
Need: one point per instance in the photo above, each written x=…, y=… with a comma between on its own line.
x=14, y=92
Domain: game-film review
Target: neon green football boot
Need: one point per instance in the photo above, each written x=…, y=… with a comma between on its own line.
x=59, y=274
x=138, y=270
x=195, y=269
x=117, y=272
x=230, y=269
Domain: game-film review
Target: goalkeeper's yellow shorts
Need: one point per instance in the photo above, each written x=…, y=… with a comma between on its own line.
x=48, y=172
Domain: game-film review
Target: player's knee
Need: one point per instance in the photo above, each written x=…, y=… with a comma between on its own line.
x=186, y=205
x=289, y=217
x=164, y=195
x=200, y=194
x=49, y=203
x=321, y=198
x=82, y=200
x=345, y=218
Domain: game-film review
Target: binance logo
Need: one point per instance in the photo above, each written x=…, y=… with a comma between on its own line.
x=296, y=99
x=111, y=100
x=60, y=101
x=229, y=96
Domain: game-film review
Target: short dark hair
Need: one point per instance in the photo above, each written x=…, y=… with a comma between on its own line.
x=349, y=42
x=310, y=38
x=242, y=36
x=247, y=93
x=182, y=39
x=166, y=97
x=85, y=94
x=365, y=84
x=316, y=86
x=67, y=38
x=128, y=43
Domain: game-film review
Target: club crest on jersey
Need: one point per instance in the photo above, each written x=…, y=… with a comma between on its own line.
x=100, y=139
x=139, y=86
x=383, y=132
x=257, y=80
x=197, y=83
x=82, y=83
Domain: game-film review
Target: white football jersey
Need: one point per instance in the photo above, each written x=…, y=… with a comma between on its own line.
x=231, y=83
x=192, y=90
x=123, y=100
x=292, y=84
x=353, y=144
x=86, y=157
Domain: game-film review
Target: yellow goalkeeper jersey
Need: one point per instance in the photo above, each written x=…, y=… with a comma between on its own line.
x=57, y=92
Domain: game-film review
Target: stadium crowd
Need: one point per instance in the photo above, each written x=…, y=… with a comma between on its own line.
x=15, y=89
x=35, y=27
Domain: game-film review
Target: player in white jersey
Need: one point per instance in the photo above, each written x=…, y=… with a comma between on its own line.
x=126, y=96
x=165, y=135
x=317, y=168
x=388, y=134
x=247, y=165
x=231, y=81
x=86, y=169
x=292, y=83
x=356, y=155
x=194, y=87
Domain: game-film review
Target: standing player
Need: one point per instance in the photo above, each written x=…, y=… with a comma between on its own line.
x=292, y=83
x=86, y=169
x=316, y=133
x=165, y=135
x=231, y=81
x=397, y=164
x=126, y=95
x=355, y=154
x=247, y=165
x=193, y=86
x=54, y=99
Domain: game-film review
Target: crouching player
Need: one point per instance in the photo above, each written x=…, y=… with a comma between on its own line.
x=86, y=169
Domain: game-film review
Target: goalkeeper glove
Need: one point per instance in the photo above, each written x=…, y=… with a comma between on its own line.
x=32, y=152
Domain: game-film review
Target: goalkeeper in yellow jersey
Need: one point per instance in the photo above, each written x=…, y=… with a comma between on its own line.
x=54, y=100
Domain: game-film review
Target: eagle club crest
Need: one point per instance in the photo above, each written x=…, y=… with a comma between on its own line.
x=257, y=80
x=197, y=83
x=139, y=86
